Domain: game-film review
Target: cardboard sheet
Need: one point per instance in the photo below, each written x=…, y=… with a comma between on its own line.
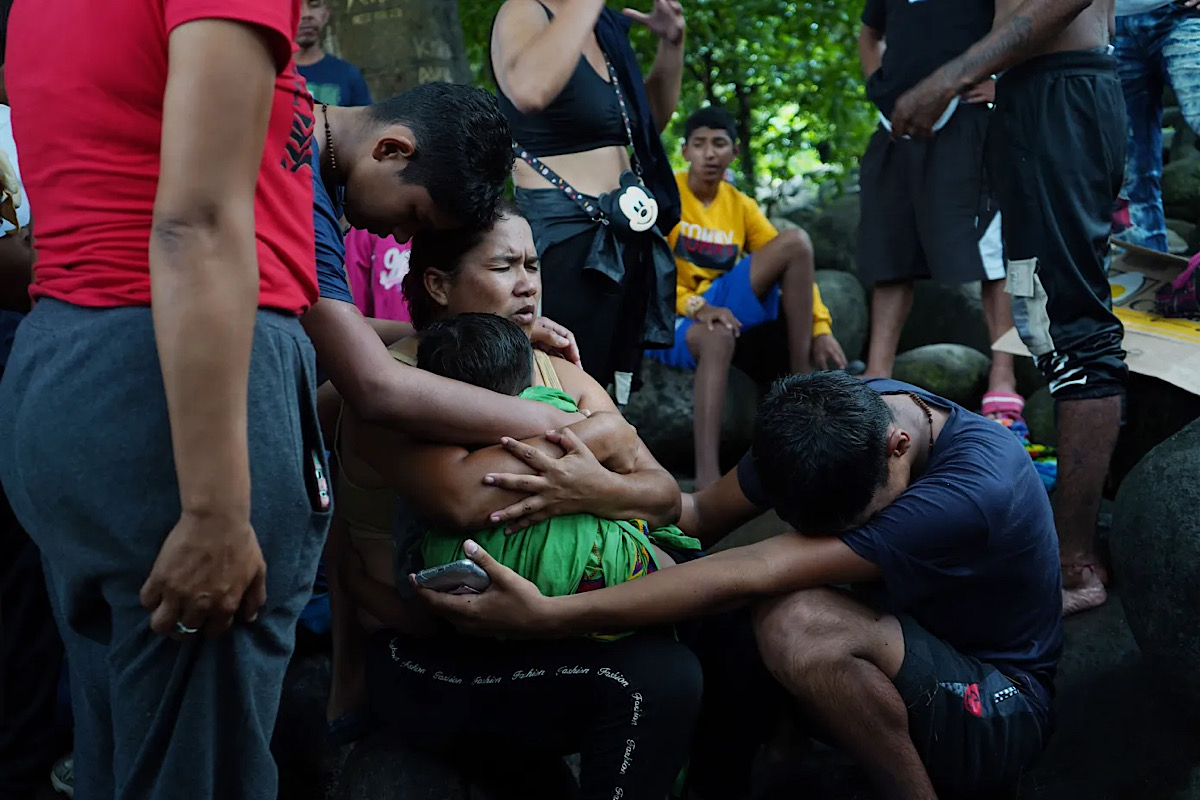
x=1160, y=347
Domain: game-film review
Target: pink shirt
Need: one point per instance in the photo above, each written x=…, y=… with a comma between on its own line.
x=375, y=267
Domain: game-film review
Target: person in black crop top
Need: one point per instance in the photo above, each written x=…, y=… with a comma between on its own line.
x=554, y=62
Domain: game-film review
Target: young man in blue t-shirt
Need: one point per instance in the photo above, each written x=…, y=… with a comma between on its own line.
x=330, y=79
x=936, y=671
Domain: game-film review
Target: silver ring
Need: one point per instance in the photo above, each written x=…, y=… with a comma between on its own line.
x=179, y=626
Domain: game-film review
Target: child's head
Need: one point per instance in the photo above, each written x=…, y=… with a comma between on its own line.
x=485, y=350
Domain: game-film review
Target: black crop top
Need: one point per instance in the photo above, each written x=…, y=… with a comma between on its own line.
x=585, y=116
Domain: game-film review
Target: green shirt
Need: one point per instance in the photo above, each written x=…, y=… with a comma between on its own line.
x=559, y=553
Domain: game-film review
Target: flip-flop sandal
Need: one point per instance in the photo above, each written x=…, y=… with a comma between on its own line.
x=1003, y=407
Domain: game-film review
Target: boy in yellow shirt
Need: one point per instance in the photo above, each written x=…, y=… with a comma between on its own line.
x=735, y=270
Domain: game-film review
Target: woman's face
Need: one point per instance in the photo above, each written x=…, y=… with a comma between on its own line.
x=499, y=276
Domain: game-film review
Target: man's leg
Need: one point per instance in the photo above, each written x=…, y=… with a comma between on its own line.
x=1140, y=64
x=997, y=313
x=1182, y=55
x=997, y=307
x=1057, y=204
x=1087, y=435
x=713, y=351
x=890, y=304
x=889, y=252
x=838, y=658
x=787, y=262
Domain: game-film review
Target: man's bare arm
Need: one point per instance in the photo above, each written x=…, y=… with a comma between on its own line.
x=446, y=482
x=386, y=392
x=390, y=331
x=779, y=565
x=664, y=81
x=871, y=45
x=1032, y=25
x=204, y=286
x=716, y=511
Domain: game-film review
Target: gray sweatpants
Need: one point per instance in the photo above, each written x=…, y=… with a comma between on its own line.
x=86, y=459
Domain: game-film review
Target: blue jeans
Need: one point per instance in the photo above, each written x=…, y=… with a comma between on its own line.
x=1154, y=48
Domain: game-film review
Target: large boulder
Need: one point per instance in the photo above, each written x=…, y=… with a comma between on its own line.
x=1184, y=229
x=1156, y=557
x=847, y=302
x=952, y=371
x=1155, y=411
x=1039, y=415
x=946, y=313
x=953, y=314
x=1181, y=189
x=1176, y=245
x=662, y=412
x=833, y=228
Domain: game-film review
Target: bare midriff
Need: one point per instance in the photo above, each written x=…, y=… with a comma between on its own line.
x=1091, y=30
x=593, y=172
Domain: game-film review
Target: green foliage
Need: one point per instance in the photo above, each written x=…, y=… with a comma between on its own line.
x=787, y=71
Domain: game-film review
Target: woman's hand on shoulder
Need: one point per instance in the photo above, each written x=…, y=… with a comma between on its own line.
x=570, y=484
x=555, y=339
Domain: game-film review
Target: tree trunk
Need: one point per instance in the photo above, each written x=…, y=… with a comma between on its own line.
x=745, y=126
x=400, y=43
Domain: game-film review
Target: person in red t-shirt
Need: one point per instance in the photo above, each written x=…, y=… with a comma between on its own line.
x=158, y=429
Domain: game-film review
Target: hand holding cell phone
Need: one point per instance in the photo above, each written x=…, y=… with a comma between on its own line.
x=457, y=577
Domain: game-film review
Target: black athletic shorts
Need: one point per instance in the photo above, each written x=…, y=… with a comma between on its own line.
x=926, y=208
x=975, y=729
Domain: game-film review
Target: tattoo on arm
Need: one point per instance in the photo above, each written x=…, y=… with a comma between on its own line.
x=1033, y=24
x=1010, y=45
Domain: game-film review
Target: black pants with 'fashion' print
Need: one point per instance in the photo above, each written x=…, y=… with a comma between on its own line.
x=627, y=707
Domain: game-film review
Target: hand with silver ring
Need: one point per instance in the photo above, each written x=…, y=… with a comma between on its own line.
x=179, y=626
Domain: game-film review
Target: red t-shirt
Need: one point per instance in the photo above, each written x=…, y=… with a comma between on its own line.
x=86, y=81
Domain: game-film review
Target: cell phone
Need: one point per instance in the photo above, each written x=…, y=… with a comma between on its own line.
x=457, y=577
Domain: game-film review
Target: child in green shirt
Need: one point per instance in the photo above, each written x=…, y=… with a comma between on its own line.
x=561, y=555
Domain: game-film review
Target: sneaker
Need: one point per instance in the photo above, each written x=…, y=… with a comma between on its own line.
x=62, y=776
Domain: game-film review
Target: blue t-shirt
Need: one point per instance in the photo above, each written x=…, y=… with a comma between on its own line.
x=969, y=550
x=331, y=247
x=336, y=82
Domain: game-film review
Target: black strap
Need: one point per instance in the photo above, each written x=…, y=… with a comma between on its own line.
x=591, y=209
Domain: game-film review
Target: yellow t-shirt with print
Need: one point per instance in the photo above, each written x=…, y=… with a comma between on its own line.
x=710, y=240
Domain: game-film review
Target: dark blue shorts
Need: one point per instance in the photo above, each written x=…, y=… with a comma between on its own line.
x=733, y=291
x=974, y=727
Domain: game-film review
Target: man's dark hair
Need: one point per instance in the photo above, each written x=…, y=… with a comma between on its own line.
x=443, y=251
x=464, y=147
x=481, y=349
x=820, y=449
x=713, y=117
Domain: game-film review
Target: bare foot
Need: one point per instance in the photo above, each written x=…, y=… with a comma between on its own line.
x=1083, y=588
